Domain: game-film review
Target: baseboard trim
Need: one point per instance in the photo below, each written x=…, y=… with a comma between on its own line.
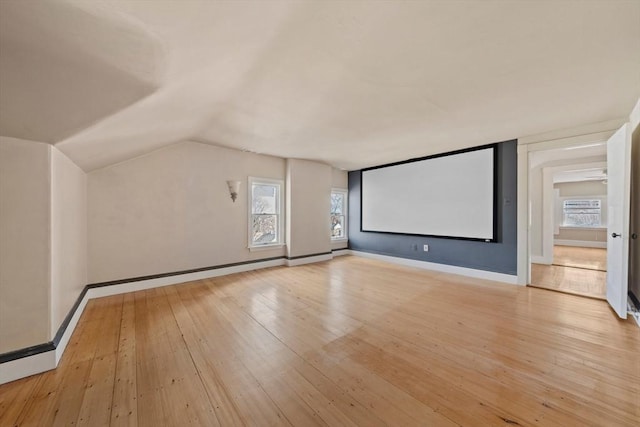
x=44, y=357
x=636, y=317
x=65, y=334
x=184, y=272
x=308, y=259
x=443, y=268
x=633, y=307
x=340, y=252
x=26, y=352
x=536, y=259
x=167, y=280
x=580, y=243
x=28, y=365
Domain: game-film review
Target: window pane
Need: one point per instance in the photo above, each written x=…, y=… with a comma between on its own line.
x=582, y=219
x=264, y=229
x=582, y=204
x=582, y=213
x=265, y=199
x=337, y=203
x=337, y=226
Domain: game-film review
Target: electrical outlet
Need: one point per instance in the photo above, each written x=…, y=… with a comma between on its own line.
x=425, y=248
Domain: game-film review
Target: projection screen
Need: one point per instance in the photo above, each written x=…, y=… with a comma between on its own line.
x=449, y=195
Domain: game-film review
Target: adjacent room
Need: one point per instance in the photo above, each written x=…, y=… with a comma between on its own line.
x=300, y=213
x=569, y=206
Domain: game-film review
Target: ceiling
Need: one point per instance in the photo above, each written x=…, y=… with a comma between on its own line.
x=352, y=84
x=575, y=163
x=581, y=175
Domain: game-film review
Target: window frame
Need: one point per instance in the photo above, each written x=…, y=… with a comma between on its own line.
x=345, y=213
x=279, y=213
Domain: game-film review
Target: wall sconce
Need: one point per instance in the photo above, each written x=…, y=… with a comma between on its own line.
x=234, y=188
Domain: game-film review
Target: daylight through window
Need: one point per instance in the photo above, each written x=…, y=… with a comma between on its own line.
x=338, y=214
x=265, y=226
x=581, y=213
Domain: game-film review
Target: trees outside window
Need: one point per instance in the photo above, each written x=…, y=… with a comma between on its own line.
x=265, y=223
x=581, y=213
x=338, y=214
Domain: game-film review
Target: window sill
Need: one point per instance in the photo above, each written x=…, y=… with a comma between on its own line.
x=340, y=239
x=265, y=247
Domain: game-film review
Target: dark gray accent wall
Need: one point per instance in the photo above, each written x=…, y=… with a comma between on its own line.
x=499, y=256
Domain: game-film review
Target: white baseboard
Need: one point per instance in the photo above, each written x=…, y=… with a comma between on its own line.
x=42, y=362
x=308, y=260
x=636, y=317
x=27, y=366
x=182, y=278
x=46, y=361
x=66, y=335
x=537, y=259
x=633, y=311
x=444, y=268
x=580, y=243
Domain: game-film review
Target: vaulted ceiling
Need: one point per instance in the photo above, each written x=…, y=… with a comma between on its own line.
x=352, y=84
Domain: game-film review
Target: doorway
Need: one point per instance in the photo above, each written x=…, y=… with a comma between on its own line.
x=621, y=237
x=568, y=205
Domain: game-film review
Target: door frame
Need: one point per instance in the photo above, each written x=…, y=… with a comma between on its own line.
x=564, y=139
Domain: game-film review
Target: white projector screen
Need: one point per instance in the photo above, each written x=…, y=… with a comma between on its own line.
x=449, y=195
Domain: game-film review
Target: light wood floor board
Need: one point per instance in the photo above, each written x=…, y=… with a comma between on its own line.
x=575, y=270
x=575, y=256
x=350, y=342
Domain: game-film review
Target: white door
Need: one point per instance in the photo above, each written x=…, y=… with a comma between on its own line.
x=618, y=197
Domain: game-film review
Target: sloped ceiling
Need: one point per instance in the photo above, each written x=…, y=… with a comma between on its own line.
x=63, y=69
x=352, y=84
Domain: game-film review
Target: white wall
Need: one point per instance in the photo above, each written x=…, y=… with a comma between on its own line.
x=339, y=179
x=541, y=196
x=167, y=211
x=308, y=207
x=575, y=235
x=24, y=243
x=581, y=188
x=535, y=197
x=171, y=211
x=68, y=236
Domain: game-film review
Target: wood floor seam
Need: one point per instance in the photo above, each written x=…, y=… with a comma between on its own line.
x=348, y=342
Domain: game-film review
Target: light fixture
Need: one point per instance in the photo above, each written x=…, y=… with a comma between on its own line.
x=234, y=188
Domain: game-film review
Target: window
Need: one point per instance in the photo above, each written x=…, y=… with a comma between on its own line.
x=338, y=214
x=581, y=213
x=265, y=219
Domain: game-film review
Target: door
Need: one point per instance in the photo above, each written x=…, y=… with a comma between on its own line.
x=634, y=221
x=618, y=196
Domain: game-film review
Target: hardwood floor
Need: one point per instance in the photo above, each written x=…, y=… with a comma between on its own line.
x=573, y=256
x=575, y=270
x=347, y=342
